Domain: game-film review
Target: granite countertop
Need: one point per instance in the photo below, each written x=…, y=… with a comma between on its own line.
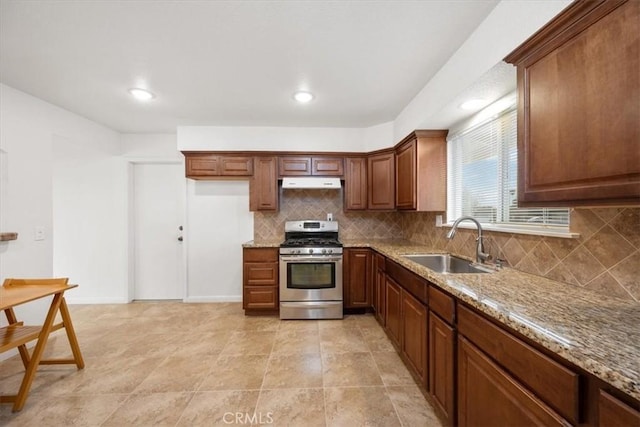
x=262, y=244
x=599, y=334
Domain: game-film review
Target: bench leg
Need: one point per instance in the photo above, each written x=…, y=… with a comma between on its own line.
x=71, y=334
x=30, y=373
x=24, y=353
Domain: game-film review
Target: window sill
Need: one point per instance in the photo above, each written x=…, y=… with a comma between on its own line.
x=534, y=231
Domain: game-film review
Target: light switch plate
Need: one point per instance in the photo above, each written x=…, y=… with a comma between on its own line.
x=38, y=233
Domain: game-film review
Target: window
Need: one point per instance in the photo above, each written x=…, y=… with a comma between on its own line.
x=482, y=180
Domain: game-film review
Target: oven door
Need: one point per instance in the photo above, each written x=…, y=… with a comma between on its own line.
x=310, y=278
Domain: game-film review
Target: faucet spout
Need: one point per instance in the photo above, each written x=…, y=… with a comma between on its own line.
x=481, y=255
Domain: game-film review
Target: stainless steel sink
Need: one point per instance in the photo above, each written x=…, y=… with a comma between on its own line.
x=447, y=264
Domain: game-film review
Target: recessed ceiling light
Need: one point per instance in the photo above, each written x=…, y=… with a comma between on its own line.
x=303, y=97
x=473, y=104
x=141, y=94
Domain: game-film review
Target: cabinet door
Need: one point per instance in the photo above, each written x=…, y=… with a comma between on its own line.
x=578, y=109
x=614, y=413
x=236, y=166
x=441, y=365
x=294, y=166
x=327, y=166
x=381, y=181
x=381, y=314
x=199, y=165
x=406, y=175
x=263, y=187
x=356, y=278
x=355, y=184
x=393, y=310
x=488, y=396
x=414, y=334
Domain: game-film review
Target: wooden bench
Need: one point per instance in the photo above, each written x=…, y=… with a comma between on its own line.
x=16, y=335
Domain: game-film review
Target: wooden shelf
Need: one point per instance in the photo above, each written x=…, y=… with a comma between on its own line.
x=8, y=236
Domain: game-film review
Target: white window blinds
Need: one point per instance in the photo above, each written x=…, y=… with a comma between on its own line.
x=482, y=177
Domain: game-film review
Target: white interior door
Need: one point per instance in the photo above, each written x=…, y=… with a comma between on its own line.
x=158, y=193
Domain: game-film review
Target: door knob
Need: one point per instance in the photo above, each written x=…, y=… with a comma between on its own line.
x=180, y=239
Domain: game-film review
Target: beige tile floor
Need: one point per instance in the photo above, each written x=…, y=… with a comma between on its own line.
x=175, y=364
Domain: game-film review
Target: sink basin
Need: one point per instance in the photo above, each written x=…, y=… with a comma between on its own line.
x=447, y=264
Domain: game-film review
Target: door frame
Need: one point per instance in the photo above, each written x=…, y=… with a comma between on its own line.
x=131, y=163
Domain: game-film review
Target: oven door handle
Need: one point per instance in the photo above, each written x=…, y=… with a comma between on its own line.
x=322, y=258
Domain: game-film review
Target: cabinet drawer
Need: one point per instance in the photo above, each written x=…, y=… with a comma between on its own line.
x=442, y=304
x=489, y=396
x=409, y=281
x=614, y=413
x=380, y=261
x=554, y=383
x=260, y=273
x=260, y=297
x=260, y=255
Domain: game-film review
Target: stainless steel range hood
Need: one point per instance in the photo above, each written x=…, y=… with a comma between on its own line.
x=310, y=182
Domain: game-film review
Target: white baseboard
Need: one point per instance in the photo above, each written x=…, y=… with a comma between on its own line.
x=81, y=300
x=222, y=298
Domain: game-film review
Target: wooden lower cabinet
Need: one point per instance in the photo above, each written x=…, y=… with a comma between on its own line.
x=379, y=291
x=393, y=310
x=414, y=335
x=441, y=367
x=260, y=279
x=489, y=396
x=614, y=413
x=357, y=278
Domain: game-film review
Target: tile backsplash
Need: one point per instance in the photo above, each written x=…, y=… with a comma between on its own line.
x=605, y=258
x=316, y=204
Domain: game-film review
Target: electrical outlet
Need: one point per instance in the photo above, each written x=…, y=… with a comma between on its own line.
x=438, y=220
x=329, y=217
x=38, y=233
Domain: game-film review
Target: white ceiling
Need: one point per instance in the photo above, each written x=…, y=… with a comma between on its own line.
x=231, y=63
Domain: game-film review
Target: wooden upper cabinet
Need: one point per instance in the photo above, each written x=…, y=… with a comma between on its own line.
x=421, y=171
x=263, y=186
x=310, y=165
x=355, y=183
x=327, y=166
x=578, y=109
x=381, y=181
x=212, y=165
x=294, y=166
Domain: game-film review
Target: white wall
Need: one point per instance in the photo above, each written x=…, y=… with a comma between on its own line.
x=218, y=222
x=269, y=138
x=90, y=221
x=149, y=147
x=27, y=129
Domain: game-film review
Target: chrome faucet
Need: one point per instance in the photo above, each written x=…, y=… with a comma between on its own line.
x=481, y=255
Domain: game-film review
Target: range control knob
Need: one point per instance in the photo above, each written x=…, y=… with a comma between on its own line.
x=296, y=251
x=324, y=251
x=310, y=251
x=329, y=251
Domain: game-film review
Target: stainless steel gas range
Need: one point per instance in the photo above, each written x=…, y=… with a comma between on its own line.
x=311, y=271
